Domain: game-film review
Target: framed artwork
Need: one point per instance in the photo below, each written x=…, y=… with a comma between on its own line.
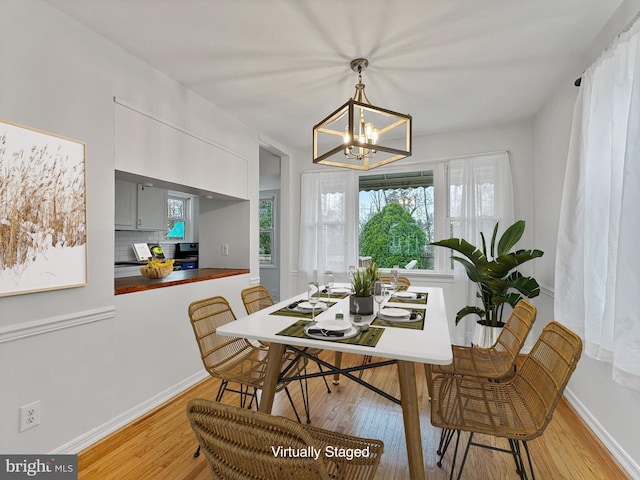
x=43, y=214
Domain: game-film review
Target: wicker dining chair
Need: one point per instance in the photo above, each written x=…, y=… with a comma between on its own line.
x=495, y=363
x=256, y=298
x=518, y=409
x=242, y=444
x=235, y=360
x=402, y=281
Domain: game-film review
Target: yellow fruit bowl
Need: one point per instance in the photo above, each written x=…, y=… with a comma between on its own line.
x=150, y=272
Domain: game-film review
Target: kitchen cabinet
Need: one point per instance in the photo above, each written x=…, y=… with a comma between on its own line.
x=126, y=205
x=152, y=208
x=138, y=207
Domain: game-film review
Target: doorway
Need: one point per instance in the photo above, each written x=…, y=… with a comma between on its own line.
x=269, y=207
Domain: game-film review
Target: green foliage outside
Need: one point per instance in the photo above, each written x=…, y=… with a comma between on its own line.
x=392, y=237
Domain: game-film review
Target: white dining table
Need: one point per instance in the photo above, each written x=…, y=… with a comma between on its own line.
x=431, y=345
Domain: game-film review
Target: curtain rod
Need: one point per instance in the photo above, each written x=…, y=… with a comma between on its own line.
x=578, y=80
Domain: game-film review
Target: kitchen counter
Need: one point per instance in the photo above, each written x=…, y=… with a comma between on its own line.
x=139, y=283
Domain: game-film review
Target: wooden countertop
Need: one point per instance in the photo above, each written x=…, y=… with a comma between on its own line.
x=139, y=283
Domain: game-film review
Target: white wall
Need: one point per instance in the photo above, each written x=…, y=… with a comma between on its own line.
x=94, y=360
x=609, y=409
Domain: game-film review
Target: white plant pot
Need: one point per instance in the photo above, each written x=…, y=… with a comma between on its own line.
x=485, y=336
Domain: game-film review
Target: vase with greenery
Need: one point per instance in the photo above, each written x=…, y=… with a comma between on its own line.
x=361, y=301
x=494, y=273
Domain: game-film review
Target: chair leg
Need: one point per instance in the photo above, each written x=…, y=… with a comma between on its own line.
x=445, y=439
x=526, y=449
x=455, y=455
x=464, y=457
x=295, y=411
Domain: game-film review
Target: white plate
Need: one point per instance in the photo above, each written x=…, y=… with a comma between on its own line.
x=418, y=317
x=395, y=313
x=307, y=307
x=334, y=325
x=340, y=290
x=410, y=295
x=350, y=333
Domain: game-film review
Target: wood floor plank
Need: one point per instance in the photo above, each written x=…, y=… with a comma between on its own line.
x=160, y=445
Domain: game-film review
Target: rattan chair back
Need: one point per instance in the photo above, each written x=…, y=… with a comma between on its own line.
x=217, y=351
x=402, y=281
x=244, y=445
x=256, y=298
x=544, y=374
x=514, y=332
x=497, y=361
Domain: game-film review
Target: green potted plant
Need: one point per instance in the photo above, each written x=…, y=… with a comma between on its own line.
x=494, y=272
x=361, y=301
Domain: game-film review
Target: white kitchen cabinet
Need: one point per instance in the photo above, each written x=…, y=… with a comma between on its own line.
x=152, y=208
x=138, y=207
x=126, y=205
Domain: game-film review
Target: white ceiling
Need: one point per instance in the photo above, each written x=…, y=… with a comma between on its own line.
x=281, y=66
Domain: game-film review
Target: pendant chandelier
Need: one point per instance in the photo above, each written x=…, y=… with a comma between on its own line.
x=359, y=135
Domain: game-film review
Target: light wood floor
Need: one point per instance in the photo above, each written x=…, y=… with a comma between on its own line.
x=160, y=445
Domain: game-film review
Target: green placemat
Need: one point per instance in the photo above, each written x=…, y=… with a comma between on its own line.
x=415, y=325
x=287, y=312
x=421, y=298
x=366, y=339
x=324, y=294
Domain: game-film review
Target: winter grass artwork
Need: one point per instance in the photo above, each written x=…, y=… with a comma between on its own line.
x=43, y=231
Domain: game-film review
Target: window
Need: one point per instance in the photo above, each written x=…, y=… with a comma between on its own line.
x=266, y=255
x=179, y=225
x=396, y=219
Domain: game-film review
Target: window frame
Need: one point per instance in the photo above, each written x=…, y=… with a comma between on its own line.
x=273, y=198
x=441, y=268
x=188, y=216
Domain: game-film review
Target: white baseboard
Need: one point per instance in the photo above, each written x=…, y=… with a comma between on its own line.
x=627, y=463
x=86, y=440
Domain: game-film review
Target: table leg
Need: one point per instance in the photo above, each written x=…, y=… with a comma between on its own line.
x=411, y=417
x=274, y=365
x=337, y=362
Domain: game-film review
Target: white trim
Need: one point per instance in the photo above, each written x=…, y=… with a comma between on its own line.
x=217, y=145
x=86, y=440
x=548, y=291
x=625, y=460
x=18, y=331
x=254, y=281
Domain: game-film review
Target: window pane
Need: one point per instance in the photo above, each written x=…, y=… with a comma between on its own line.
x=266, y=247
x=397, y=219
x=176, y=229
x=266, y=214
x=176, y=208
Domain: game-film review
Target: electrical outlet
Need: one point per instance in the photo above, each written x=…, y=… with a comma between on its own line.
x=29, y=416
x=225, y=249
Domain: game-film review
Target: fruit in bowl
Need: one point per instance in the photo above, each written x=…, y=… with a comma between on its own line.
x=156, y=268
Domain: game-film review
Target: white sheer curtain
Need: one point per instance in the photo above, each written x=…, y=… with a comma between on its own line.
x=480, y=194
x=328, y=225
x=597, y=280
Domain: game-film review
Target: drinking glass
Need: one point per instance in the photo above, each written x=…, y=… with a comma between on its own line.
x=378, y=293
x=394, y=278
x=328, y=282
x=313, y=295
